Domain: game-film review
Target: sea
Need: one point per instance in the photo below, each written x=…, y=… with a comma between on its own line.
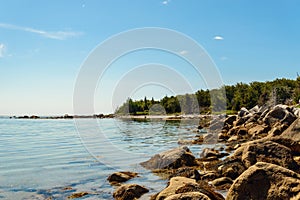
x=55, y=158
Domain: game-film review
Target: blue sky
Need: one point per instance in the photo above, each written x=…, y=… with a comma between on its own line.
x=44, y=43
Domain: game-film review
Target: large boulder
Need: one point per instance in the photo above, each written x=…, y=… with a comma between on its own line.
x=270, y=152
x=293, y=132
x=171, y=159
x=265, y=181
x=182, y=185
x=265, y=151
x=129, y=192
x=279, y=113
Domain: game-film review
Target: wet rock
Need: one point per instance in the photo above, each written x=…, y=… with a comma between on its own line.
x=119, y=177
x=77, y=195
x=129, y=192
x=171, y=159
x=268, y=152
x=265, y=181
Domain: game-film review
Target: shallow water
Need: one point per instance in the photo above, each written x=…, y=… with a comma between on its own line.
x=54, y=158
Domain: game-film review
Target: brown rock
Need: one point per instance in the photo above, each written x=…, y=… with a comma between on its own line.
x=258, y=129
x=171, y=159
x=293, y=132
x=268, y=152
x=265, y=181
x=129, y=192
x=231, y=168
x=182, y=185
x=279, y=113
x=119, y=177
x=188, y=196
x=78, y=195
x=221, y=181
x=186, y=172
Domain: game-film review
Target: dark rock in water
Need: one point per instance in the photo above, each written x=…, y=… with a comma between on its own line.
x=265, y=181
x=270, y=152
x=119, y=177
x=182, y=185
x=129, y=192
x=78, y=195
x=171, y=159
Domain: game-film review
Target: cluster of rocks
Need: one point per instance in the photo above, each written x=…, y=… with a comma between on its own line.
x=262, y=161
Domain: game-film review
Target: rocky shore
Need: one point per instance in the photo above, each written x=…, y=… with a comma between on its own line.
x=260, y=160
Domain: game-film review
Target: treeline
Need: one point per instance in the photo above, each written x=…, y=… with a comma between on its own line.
x=234, y=97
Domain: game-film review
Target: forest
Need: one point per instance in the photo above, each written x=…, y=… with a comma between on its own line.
x=234, y=97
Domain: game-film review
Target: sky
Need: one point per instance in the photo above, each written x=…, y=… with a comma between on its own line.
x=43, y=45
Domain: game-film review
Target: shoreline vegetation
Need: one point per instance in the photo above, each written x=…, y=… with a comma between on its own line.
x=269, y=93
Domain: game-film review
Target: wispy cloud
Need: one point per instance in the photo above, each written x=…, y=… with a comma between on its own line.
x=218, y=37
x=224, y=58
x=2, y=49
x=58, y=35
x=166, y=2
x=183, y=52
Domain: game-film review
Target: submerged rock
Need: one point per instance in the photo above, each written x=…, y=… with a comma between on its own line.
x=265, y=181
x=171, y=159
x=77, y=195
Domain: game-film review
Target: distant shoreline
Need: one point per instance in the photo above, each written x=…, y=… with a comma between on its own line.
x=102, y=116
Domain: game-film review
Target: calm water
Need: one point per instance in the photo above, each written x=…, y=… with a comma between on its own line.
x=55, y=158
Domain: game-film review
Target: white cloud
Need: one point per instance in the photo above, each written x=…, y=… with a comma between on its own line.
x=183, y=52
x=2, y=49
x=218, y=37
x=166, y=2
x=58, y=35
x=224, y=58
